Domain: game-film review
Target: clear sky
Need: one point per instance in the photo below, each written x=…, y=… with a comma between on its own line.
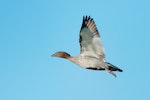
x=32, y=30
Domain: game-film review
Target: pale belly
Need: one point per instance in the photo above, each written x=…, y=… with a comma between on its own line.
x=89, y=62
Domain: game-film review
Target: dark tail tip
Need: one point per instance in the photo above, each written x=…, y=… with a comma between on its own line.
x=113, y=68
x=120, y=70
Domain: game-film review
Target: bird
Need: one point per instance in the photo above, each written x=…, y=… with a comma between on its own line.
x=92, y=53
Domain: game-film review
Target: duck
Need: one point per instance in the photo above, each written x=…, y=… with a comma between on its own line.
x=92, y=53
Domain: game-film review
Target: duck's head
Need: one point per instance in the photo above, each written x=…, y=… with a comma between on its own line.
x=61, y=54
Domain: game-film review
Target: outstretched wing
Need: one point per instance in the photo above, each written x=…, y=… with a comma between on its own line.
x=90, y=43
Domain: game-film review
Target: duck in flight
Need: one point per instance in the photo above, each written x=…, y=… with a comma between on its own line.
x=92, y=55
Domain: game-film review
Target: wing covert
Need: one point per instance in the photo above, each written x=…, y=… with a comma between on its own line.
x=90, y=43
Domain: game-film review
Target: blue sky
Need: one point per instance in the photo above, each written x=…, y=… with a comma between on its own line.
x=32, y=30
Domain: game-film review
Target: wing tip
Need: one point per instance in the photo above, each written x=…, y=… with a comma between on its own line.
x=85, y=21
x=86, y=18
x=88, y=22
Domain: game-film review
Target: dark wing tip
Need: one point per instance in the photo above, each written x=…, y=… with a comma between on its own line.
x=85, y=21
x=88, y=22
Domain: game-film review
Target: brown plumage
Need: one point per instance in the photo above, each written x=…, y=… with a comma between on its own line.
x=92, y=55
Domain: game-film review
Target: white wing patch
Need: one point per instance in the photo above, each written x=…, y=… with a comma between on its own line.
x=99, y=49
x=90, y=42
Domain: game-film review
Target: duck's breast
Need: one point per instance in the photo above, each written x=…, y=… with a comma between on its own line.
x=87, y=61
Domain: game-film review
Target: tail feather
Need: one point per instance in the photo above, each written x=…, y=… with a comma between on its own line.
x=113, y=68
